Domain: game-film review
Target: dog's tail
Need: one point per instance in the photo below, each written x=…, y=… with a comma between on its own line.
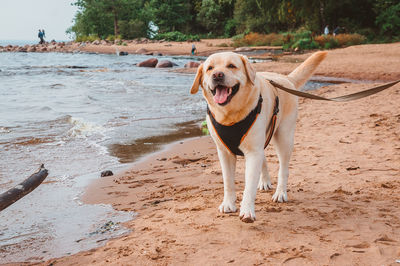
x=302, y=73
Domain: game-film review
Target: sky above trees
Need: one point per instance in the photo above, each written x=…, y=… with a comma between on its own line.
x=21, y=19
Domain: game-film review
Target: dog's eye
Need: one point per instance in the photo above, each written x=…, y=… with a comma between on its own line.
x=209, y=68
x=231, y=66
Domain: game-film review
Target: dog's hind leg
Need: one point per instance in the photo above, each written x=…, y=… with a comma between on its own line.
x=283, y=142
x=228, y=166
x=265, y=180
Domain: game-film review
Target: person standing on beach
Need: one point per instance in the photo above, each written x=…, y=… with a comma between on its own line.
x=40, y=35
x=44, y=34
x=336, y=31
x=326, y=30
x=193, y=49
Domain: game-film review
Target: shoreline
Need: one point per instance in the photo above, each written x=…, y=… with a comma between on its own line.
x=334, y=215
x=361, y=62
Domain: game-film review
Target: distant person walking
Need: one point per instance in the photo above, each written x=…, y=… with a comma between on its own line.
x=193, y=49
x=44, y=34
x=41, y=37
x=336, y=31
x=326, y=30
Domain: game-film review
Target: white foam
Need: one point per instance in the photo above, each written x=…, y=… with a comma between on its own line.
x=82, y=128
x=4, y=130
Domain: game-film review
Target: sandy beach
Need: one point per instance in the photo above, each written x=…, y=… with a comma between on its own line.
x=344, y=183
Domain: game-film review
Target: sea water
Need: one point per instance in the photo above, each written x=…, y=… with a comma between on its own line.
x=79, y=114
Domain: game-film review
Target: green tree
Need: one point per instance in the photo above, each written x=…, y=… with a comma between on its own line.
x=258, y=16
x=388, y=19
x=104, y=17
x=91, y=19
x=170, y=15
x=213, y=15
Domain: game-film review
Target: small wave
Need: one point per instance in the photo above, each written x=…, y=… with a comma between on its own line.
x=5, y=130
x=92, y=98
x=57, y=86
x=82, y=128
x=27, y=141
x=46, y=108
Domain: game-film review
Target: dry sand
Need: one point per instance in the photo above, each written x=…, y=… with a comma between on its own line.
x=204, y=47
x=344, y=186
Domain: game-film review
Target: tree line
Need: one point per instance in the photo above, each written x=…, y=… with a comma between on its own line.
x=131, y=19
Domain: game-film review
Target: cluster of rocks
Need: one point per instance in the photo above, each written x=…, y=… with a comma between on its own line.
x=69, y=47
x=125, y=42
x=153, y=62
x=52, y=46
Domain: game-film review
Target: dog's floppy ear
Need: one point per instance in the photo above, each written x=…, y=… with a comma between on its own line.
x=250, y=72
x=197, y=80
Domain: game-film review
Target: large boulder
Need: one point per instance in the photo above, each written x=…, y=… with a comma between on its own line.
x=164, y=64
x=141, y=51
x=192, y=64
x=152, y=62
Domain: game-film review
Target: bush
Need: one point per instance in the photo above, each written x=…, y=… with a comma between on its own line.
x=301, y=39
x=110, y=38
x=305, y=44
x=176, y=36
x=340, y=40
x=222, y=45
x=257, y=39
x=350, y=39
x=87, y=38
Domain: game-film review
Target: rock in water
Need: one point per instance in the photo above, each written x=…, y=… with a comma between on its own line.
x=152, y=62
x=192, y=64
x=106, y=173
x=164, y=63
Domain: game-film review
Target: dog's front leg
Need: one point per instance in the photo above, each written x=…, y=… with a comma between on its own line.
x=254, y=162
x=228, y=166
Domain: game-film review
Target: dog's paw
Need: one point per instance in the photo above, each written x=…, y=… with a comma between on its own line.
x=227, y=207
x=264, y=185
x=280, y=195
x=247, y=214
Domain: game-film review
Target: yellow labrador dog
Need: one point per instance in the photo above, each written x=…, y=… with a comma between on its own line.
x=244, y=112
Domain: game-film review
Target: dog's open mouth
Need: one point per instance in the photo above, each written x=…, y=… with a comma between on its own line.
x=223, y=94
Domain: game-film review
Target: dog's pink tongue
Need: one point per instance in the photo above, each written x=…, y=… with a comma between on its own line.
x=221, y=95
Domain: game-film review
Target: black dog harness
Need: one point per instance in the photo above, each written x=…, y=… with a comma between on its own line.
x=233, y=135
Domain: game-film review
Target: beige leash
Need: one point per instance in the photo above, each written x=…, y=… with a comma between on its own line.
x=344, y=98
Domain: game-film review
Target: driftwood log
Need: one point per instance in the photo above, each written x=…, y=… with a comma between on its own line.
x=23, y=188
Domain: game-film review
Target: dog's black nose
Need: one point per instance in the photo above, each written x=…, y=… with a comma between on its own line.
x=218, y=76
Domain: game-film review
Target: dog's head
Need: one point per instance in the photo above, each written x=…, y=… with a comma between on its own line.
x=227, y=80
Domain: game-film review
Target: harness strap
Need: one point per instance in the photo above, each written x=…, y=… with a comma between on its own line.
x=233, y=135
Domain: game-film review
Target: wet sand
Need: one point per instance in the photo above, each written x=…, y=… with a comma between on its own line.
x=344, y=186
